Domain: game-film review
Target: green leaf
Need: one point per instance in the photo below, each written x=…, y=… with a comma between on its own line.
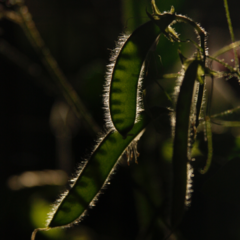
x=180, y=159
x=94, y=175
x=124, y=77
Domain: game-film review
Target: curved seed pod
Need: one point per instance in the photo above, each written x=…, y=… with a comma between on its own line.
x=181, y=167
x=122, y=101
x=94, y=175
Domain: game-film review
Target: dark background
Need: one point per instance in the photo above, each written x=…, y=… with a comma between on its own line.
x=36, y=136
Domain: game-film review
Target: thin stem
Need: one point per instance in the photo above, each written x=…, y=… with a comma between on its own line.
x=226, y=49
x=225, y=113
x=50, y=63
x=231, y=32
x=214, y=118
x=36, y=230
x=201, y=32
x=233, y=70
x=170, y=75
x=209, y=72
x=226, y=123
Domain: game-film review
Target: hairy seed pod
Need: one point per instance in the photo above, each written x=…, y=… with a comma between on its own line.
x=122, y=99
x=180, y=160
x=93, y=176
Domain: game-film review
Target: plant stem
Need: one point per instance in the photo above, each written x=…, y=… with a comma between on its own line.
x=231, y=32
x=226, y=48
x=227, y=123
x=225, y=113
x=232, y=70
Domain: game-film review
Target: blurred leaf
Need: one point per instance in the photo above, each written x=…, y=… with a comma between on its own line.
x=39, y=210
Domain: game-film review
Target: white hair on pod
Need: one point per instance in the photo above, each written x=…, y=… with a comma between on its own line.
x=175, y=97
x=189, y=188
x=192, y=121
x=110, y=68
x=131, y=147
x=140, y=106
x=107, y=87
x=73, y=181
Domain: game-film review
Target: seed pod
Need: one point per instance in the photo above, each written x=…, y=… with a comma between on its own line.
x=94, y=175
x=181, y=167
x=122, y=101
